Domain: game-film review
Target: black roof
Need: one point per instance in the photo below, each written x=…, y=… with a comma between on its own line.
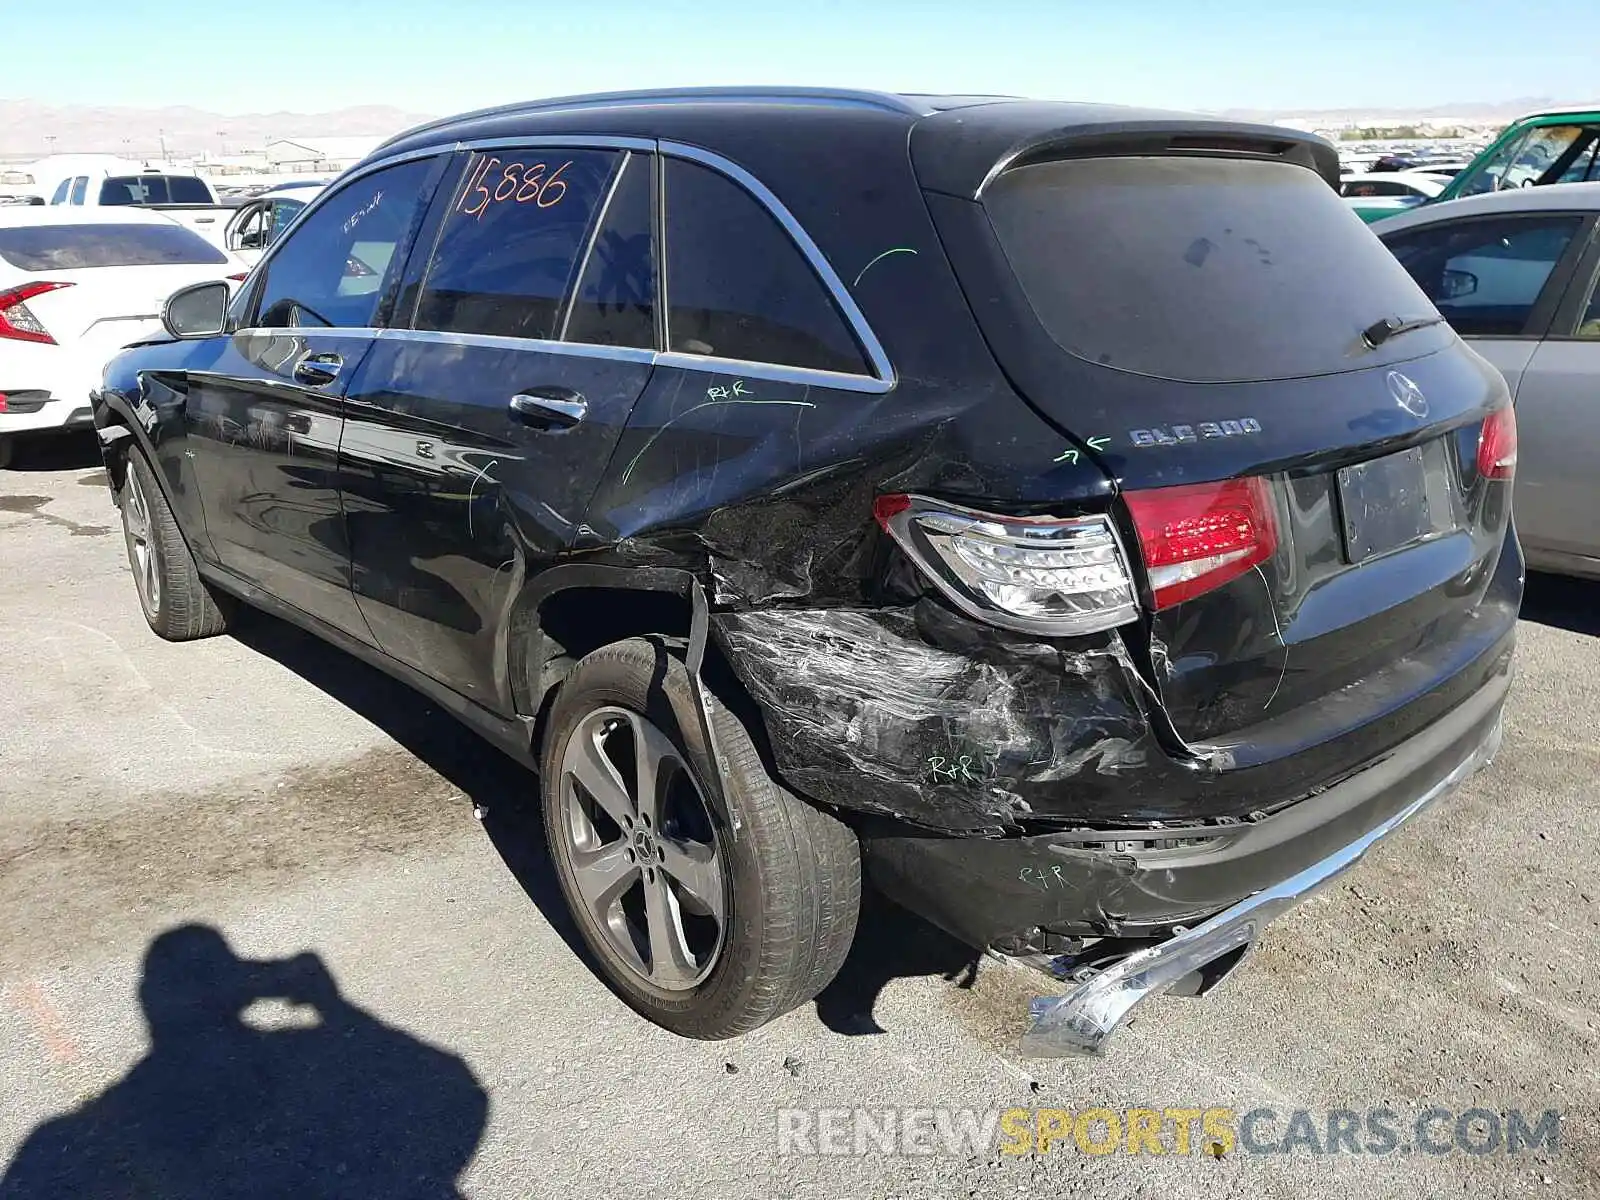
x=957, y=142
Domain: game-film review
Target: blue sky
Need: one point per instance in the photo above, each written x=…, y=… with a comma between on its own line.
x=433, y=56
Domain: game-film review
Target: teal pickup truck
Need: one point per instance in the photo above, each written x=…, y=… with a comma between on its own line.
x=1559, y=146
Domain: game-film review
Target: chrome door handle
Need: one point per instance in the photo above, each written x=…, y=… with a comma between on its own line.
x=316, y=370
x=561, y=407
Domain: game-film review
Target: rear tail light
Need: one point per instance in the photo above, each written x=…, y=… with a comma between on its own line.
x=1199, y=536
x=1044, y=575
x=17, y=322
x=1497, y=444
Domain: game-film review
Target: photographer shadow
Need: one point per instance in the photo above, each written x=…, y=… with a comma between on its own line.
x=323, y=1100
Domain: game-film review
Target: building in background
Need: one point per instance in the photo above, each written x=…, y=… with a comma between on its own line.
x=307, y=156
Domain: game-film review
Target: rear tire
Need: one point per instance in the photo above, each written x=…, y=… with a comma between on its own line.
x=176, y=602
x=8, y=445
x=790, y=873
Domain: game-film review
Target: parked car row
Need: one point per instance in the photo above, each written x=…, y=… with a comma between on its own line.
x=1080, y=525
x=76, y=285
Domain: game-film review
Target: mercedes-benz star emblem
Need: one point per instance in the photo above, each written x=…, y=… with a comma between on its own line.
x=1407, y=394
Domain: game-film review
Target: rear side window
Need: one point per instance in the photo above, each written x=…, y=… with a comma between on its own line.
x=1486, y=276
x=80, y=188
x=511, y=244
x=737, y=285
x=615, y=304
x=72, y=247
x=1201, y=269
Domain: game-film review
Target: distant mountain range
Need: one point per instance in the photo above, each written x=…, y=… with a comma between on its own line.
x=26, y=125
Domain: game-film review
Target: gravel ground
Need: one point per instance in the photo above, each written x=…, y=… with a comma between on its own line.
x=414, y=1015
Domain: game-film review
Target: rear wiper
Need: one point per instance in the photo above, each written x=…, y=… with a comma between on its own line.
x=1379, y=332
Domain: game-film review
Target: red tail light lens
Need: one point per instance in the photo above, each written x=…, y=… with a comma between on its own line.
x=1199, y=536
x=1051, y=576
x=1497, y=444
x=17, y=323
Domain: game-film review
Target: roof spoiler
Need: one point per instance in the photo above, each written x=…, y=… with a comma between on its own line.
x=1315, y=155
x=961, y=152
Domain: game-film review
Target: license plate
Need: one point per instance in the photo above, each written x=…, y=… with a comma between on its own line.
x=1384, y=504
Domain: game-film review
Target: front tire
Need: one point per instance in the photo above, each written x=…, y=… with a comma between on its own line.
x=708, y=918
x=176, y=602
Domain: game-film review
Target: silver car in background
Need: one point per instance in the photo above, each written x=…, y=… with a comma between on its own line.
x=1515, y=274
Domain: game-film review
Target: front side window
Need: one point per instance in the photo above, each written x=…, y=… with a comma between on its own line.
x=60, y=195
x=512, y=241
x=1525, y=161
x=1486, y=276
x=737, y=285
x=283, y=214
x=332, y=271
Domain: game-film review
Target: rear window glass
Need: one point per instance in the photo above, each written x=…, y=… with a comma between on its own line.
x=153, y=189
x=72, y=247
x=1206, y=270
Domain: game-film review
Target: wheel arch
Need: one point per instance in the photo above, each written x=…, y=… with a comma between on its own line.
x=571, y=610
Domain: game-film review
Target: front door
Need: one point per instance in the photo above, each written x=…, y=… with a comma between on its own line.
x=475, y=438
x=264, y=419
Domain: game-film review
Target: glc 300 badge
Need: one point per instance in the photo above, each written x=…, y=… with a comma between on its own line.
x=1200, y=431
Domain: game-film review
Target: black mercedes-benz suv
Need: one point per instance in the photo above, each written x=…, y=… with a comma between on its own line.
x=1069, y=518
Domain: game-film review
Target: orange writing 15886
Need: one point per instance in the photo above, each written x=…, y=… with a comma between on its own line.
x=494, y=182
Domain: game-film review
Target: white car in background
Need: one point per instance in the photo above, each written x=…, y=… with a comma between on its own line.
x=77, y=285
x=261, y=219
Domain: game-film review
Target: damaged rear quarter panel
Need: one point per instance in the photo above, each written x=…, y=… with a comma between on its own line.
x=918, y=713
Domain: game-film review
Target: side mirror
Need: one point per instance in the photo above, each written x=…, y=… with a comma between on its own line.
x=199, y=310
x=1455, y=284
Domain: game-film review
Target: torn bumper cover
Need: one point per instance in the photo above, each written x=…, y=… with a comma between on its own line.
x=1082, y=1021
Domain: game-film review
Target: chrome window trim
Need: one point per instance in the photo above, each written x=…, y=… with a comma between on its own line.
x=776, y=372
x=882, y=380
x=575, y=141
x=445, y=337
x=366, y=331
x=883, y=370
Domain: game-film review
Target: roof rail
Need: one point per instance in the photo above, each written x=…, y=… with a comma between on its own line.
x=883, y=101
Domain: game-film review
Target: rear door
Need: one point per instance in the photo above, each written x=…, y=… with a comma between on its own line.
x=1501, y=280
x=264, y=412
x=479, y=426
x=1558, y=409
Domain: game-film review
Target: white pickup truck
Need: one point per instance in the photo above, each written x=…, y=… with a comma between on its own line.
x=187, y=199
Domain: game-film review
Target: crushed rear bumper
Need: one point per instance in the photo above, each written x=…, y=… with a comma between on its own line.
x=1082, y=1021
